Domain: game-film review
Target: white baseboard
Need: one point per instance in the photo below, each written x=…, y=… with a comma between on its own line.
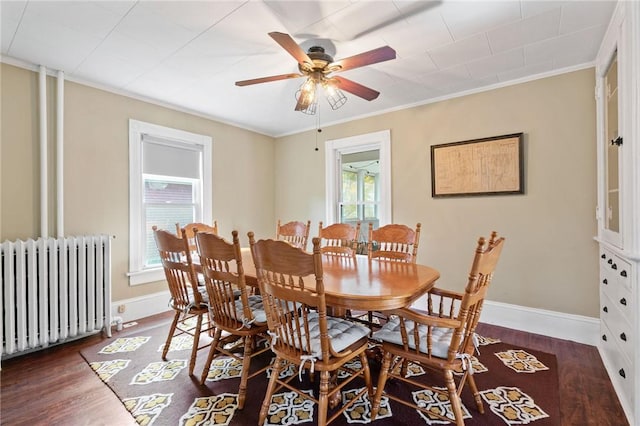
x=576, y=328
x=143, y=306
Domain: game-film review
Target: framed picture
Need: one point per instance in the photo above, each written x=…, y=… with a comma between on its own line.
x=488, y=166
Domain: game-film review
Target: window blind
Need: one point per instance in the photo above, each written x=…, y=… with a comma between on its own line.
x=170, y=158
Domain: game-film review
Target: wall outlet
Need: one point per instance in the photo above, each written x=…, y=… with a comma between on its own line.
x=121, y=309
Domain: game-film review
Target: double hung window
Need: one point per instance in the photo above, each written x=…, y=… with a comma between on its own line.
x=170, y=182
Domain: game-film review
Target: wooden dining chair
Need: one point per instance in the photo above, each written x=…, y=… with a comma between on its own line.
x=439, y=338
x=238, y=317
x=339, y=239
x=395, y=243
x=191, y=228
x=302, y=334
x=295, y=233
x=188, y=300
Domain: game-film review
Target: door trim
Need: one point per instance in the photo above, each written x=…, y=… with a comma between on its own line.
x=366, y=142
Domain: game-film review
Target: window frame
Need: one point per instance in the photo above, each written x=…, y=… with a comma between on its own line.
x=366, y=142
x=138, y=273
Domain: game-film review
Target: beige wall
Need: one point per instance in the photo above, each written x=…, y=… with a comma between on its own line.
x=550, y=258
x=97, y=170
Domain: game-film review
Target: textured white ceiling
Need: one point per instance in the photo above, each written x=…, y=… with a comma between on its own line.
x=190, y=53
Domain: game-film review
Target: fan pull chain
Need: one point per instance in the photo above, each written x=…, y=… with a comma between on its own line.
x=318, y=129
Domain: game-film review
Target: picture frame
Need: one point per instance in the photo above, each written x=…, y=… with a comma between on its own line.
x=486, y=166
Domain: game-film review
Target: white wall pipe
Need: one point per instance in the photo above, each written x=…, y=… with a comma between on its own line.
x=60, y=155
x=44, y=187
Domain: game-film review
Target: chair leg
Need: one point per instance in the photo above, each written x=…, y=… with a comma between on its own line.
x=382, y=380
x=212, y=352
x=246, y=364
x=323, y=399
x=196, y=342
x=367, y=375
x=454, y=399
x=404, y=368
x=476, y=394
x=275, y=373
x=212, y=328
x=335, y=398
x=172, y=330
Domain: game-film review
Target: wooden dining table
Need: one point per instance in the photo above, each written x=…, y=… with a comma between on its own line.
x=362, y=284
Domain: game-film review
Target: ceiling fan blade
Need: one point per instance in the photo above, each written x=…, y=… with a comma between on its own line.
x=355, y=88
x=408, y=10
x=291, y=46
x=267, y=79
x=374, y=56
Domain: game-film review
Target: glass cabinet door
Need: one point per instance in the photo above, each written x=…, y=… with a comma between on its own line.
x=613, y=141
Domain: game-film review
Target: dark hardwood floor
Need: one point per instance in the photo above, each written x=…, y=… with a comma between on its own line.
x=57, y=387
x=586, y=393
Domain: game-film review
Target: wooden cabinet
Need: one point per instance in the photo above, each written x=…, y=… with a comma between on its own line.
x=617, y=312
x=618, y=210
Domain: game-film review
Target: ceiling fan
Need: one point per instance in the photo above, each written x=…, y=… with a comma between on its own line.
x=318, y=66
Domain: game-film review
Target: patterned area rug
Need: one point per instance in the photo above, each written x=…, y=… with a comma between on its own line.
x=518, y=386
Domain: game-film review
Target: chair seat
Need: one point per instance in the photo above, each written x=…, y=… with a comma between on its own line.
x=201, y=283
x=440, y=336
x=257, y=308
x=203, y=295
x=342, y=333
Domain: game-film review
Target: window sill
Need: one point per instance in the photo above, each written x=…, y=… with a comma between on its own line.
x=146, y=276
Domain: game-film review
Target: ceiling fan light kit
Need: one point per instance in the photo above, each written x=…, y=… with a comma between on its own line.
x=317, y=65
x=311, y=109
x=306, y=99
x=335, y=96
x=307, y=96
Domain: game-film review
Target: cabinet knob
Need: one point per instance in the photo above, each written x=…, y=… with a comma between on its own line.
x=622, y=373
x=603, y=256
x=623, y=274
x=610, y=261
x=617, y=141
x=623, y=301
x=614, y=266
x=623, y=336
x=605, y=309
x=604, y=337
x=605, y=281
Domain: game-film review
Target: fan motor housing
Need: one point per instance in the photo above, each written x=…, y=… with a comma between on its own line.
x=319, y=57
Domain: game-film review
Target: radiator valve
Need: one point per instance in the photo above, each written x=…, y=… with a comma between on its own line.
x=118, y=322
